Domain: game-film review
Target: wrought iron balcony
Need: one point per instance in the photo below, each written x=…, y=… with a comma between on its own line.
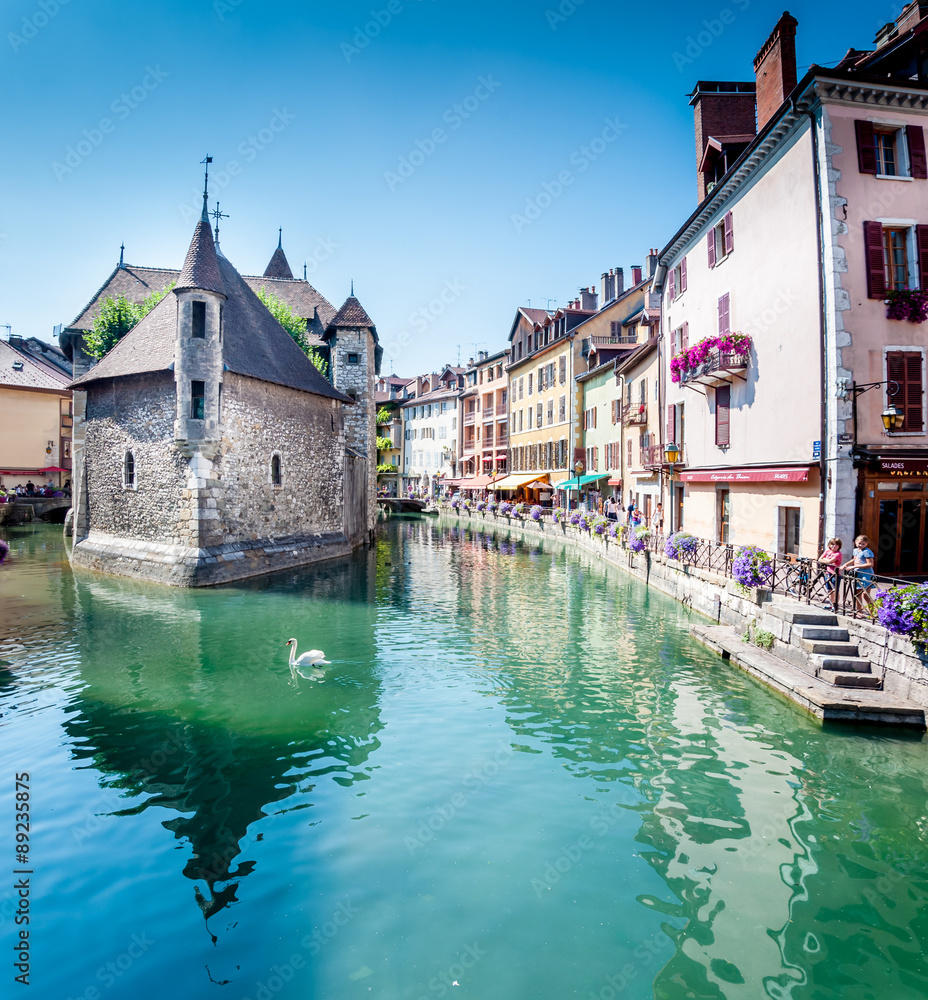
x=635, y=413
x=718, y=367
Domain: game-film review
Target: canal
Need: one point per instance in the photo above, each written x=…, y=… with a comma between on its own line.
x=518, y=779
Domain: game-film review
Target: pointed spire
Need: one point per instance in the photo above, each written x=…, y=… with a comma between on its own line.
x=122, y=253
x=201, y=268
x=351, y=314
x=279, y=266
x=217, y=215
x=304, y=270
x=352, y=288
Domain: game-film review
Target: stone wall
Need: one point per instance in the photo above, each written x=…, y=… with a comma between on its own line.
x=357, y=381
x=260, y=420
x=207, y=520
x=139, y=417
x=903, y=668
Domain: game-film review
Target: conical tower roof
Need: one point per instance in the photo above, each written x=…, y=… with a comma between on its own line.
x=279, y=266
x=351, y=314
x=201, y=268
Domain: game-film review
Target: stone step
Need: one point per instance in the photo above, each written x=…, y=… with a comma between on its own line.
x=830, y=648
x=830, y=633
x=841, y=664
x=803, y=615
x=839, y=679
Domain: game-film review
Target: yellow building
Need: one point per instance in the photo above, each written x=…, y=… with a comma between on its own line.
x=35, y=418
x=544, y=433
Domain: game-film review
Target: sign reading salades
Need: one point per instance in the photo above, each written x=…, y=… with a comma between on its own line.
x=746, y=476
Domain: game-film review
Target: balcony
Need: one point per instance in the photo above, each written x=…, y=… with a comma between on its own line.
x=635, y=413
x=502, y=409
x=488, y=413
x=717, y=367
x=502, y=437
x=596, y=343
x=470, y=417
x=651, y=457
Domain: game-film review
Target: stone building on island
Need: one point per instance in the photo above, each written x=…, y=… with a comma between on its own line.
x=207, y=446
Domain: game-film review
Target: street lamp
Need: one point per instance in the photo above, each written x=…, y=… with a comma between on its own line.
x=893, y=418
x=672, y=454
x=578, y=469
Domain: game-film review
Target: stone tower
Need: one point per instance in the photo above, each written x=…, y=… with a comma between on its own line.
x=354, y=357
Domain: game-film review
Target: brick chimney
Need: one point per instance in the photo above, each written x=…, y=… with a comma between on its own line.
x=588, y=297
x=911, y=15
x=775, y=67
x=636, y=274
x=619, y=282
x=720, y=109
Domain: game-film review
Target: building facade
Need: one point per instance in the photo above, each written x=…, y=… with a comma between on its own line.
x=484, y=425
x=430, y=431
x=208, y=447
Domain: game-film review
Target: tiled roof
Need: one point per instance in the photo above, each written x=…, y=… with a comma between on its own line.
x=201, y=268
x=32, y=375
x=396, y=380
x=253, y=344
x=351, y=314
x=303, y=300
x=135, y=283
x=278, y=266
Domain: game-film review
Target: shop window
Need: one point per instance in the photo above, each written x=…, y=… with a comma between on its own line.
x=788, y=530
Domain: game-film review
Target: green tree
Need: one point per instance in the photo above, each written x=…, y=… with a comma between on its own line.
x=294, y=325
x=116, y=318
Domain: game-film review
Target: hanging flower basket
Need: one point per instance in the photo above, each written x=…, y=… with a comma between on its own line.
x=680, y=545
x=737, y=345
x=537, y=512
x=640, y=540
x=752, y=567
x=907, y=303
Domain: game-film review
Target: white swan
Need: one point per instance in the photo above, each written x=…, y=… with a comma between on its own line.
x=314, y=658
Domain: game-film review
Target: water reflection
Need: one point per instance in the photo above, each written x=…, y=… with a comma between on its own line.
x=188, y=705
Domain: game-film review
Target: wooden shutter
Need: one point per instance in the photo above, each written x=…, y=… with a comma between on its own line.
x=673, y=284
x=724, y=315
x=917, y=158
x=711, y=246
x=729, y=233
x=866, y=147
x=673, y=342
x=905, y=368
x=722, y=415
x=671, y=423
x=683, y=275
x=921, y=240
x=685, y=337
x=873, y=249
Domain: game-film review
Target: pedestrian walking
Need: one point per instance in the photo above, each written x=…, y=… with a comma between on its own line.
x=657, y=520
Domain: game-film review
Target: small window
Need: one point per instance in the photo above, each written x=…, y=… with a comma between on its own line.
x=788, y=530
x=276, y=474
x=198, y=320
x=353, y=359
x=128, y=471
x=197, y=400
x=896, y=258
x=887, y=152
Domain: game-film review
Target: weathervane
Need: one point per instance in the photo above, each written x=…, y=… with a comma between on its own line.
x=217, y=215
x=208, y=160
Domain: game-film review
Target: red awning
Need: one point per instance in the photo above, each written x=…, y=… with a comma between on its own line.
x=476, y=482
x=746, y=476
x=614, y=482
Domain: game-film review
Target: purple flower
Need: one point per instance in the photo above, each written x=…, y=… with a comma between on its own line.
x=537, y=512
x=752, y=566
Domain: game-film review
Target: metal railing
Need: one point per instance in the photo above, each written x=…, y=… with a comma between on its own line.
x=716, y=361
x=502, y=408
x=470, y=417
x=635, y=413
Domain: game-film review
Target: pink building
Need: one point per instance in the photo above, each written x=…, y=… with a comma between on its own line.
x=804, y=231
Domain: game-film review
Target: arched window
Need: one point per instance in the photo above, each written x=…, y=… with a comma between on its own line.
x=128, y=471
x=276, y=475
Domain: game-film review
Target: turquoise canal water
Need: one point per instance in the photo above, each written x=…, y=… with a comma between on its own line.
x=517, y=779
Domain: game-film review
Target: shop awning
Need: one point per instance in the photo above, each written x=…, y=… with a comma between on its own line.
x=578, y=482
x=475, y=482
x=768, y=475
x=614, y=482
x=514, y=482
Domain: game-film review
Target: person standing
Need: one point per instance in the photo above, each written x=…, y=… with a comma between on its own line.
x=657, y=520
x=862, y=563
x=831, y=560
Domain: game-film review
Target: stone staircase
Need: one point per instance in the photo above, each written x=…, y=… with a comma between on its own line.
x=829, y=654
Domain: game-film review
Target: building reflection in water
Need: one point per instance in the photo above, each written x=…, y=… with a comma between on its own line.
x=189, y=704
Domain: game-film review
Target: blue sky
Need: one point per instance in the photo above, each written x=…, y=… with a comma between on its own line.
x=322, y=117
